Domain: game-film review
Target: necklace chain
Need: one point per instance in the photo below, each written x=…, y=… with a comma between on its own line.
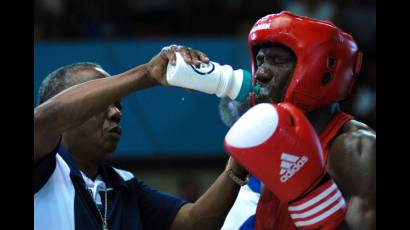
x=104, y=220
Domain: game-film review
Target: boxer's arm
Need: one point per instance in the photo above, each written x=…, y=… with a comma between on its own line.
x=211, y=209
x=352, y=164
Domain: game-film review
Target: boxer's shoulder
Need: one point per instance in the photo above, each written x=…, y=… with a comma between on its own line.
x=355, y=138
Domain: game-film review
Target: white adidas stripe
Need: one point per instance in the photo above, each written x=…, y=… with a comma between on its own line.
x=314, y=200
x=289, y=157
x=285, y=165
x=317, y=208
x=324, y=215
x=282, y=171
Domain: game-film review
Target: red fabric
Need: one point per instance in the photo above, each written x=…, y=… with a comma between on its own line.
x=271, y=213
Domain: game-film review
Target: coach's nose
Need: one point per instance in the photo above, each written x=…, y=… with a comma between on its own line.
x=114, y=113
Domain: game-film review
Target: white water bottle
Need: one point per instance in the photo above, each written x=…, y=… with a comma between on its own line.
x=211, y=78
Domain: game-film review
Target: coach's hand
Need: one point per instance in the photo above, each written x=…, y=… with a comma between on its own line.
x=158, y=65
x=237, y=169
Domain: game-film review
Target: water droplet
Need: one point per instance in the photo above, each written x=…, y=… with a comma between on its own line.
x=264, y=91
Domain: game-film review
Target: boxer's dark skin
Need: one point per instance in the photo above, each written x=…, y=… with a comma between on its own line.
x=352, y=153
x=87, y=119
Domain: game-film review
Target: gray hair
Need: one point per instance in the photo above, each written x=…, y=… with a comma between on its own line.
x=60, y=79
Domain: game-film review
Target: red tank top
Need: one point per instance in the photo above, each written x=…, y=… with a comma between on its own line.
x=271, y=213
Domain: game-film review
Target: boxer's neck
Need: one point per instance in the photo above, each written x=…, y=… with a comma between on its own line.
x=320, y=118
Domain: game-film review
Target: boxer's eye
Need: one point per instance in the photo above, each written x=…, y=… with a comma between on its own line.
x=259, y=60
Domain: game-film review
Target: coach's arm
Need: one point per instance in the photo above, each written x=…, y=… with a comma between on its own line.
x=79, y=103
x=352, y=164
x=211, y=209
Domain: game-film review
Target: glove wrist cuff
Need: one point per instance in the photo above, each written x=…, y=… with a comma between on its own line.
x=322, y=207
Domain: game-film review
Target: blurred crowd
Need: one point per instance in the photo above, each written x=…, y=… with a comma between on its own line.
x=109, y=19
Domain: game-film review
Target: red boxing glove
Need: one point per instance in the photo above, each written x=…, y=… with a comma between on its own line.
x=277, y=144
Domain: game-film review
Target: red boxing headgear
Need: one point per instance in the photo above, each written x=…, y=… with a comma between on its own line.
x=327, y=58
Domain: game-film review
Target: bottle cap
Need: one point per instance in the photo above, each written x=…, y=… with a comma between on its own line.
x=247, y=87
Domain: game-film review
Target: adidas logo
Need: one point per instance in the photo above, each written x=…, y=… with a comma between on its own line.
x=290, y=165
